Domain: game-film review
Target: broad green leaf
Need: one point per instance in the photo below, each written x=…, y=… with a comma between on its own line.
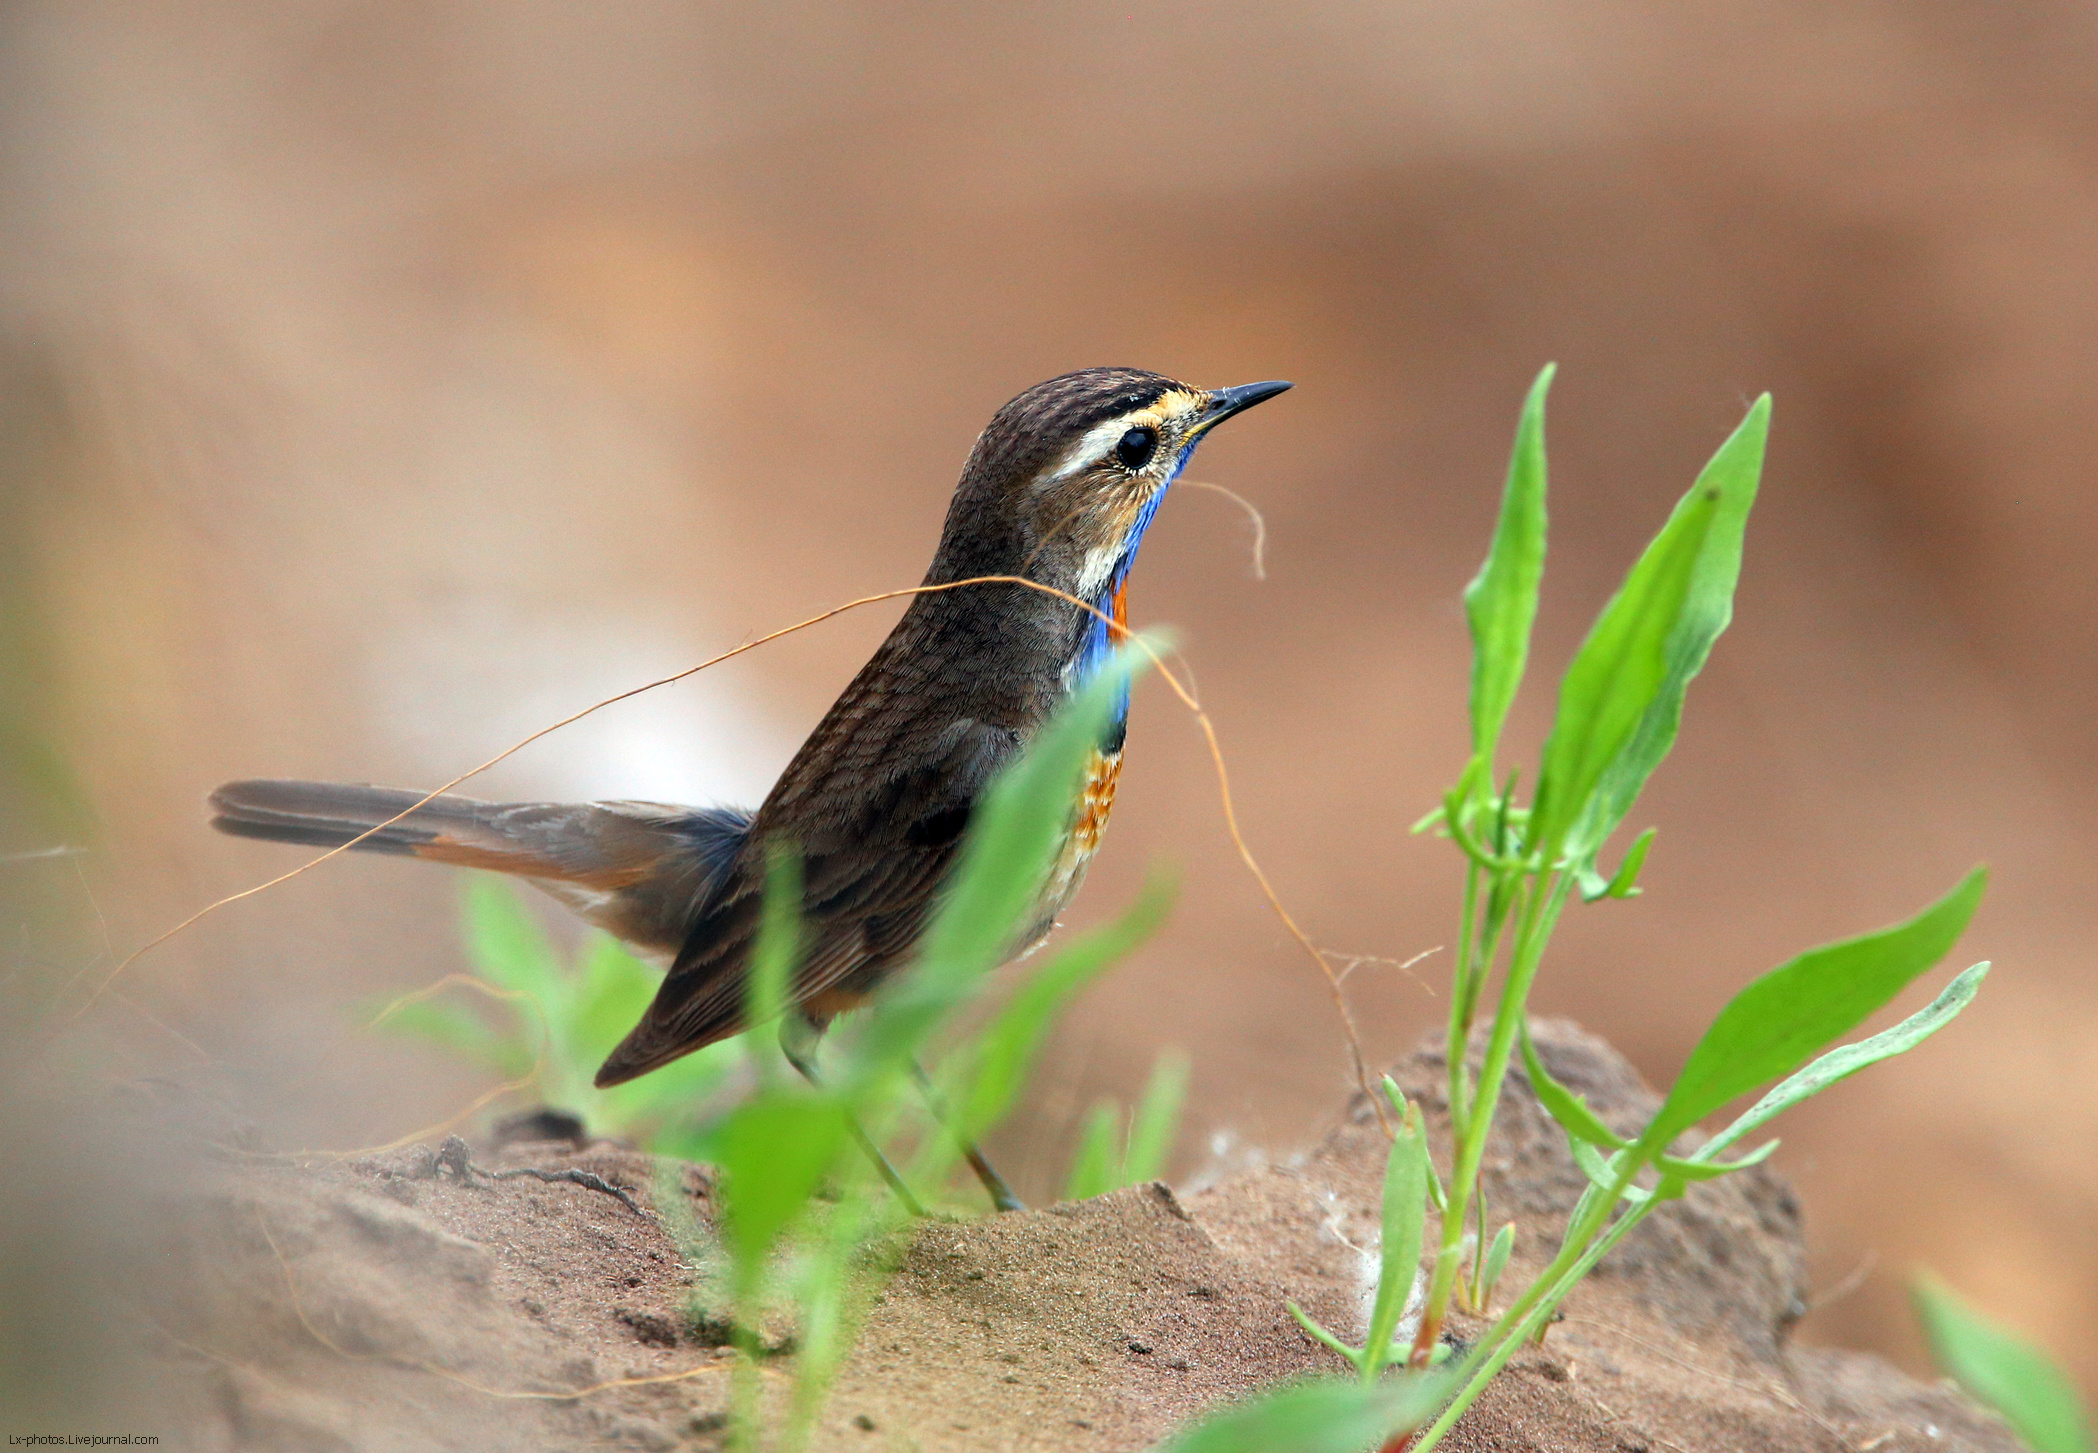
x=1563, y=1105
x=1773, y=1026
x=2002, y=1370
x=1840, y=1064
x=1501, y=601
x=1617, y=676
x=1005, y=1053
x=1012, y=840
x=1157, y=1121
x=507, y=942
x=1323, y=1416
x=1405, y=1207
x=1729, y=481
x=1096, y=1167
x=774, y=1150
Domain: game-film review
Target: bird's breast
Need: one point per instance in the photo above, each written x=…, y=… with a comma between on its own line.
x=1088, y=821
x=1096, y=797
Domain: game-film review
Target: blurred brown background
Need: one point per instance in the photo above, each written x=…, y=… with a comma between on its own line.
x=383, y=382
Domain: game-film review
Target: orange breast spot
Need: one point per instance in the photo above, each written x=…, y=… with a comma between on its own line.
x=1099, y=800
x=1096, y=800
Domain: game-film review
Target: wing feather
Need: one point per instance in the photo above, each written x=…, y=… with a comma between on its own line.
x=871, y=872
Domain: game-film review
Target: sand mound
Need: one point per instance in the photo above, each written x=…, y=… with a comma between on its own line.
x=384, y=1304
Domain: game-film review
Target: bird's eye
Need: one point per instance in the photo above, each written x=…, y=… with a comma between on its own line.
x=1135, y=449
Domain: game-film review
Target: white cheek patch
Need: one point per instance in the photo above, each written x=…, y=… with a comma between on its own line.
x=1099, y=565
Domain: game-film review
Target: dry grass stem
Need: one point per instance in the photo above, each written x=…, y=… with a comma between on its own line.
x=1120, y=634
x=1260, y=524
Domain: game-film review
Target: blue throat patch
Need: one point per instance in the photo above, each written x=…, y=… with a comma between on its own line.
x=1096, y=648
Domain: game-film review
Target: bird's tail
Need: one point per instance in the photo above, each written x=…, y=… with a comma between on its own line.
x=636, y=869
x=330, y=814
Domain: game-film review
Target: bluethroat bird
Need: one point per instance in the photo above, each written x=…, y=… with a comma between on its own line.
x=1059, y=489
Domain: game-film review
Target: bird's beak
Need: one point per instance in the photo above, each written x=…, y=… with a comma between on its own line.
x=1225, y=402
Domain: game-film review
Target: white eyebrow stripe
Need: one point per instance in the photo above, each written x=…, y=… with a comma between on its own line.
x=1089, y=450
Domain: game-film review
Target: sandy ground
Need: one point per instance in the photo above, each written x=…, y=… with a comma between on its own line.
x=381, y=1304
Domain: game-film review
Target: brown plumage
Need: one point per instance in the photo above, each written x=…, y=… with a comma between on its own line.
x=638, y=870
x=1058, y=489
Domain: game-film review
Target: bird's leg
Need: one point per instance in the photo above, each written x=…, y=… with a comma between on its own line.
x=797, y=1041
x=1001, y=1194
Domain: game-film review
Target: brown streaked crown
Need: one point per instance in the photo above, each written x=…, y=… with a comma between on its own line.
x=1004, y=521
x=1037, y=425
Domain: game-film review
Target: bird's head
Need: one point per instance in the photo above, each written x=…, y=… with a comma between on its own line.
x=1063, y=482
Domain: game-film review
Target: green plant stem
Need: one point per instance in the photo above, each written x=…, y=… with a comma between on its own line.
x=1576, y=1258
x=1461, y=1000
x=746, y=1391
x=1540, y=911
x=1478, y=1245
x=1485, y=960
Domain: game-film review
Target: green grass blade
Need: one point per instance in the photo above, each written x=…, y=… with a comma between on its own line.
x=1774, y=1025
x=778, y=1146
x=1501, y=601
x=1405, y=1208
x=1625, y=882
x=1323, y=1337
x=1012, y=840
x=1840, y=1064
x=464, y=1032
x=776, y=954
x=1730, y=481
x=774, y=1150
x=1602, y=1170
x=2003, y=1370
x=615, y=991
x=1497, y=1256
x=1563, y=1105
x=1707, y=1169
x=1096, y=1167
x=778, y=946
x=1324, y=1416
x=1156, y=1124
x=507, y=943
x=1005, y=1053
x=1617, y=675
x=666, y=1110
x=1397, y=1099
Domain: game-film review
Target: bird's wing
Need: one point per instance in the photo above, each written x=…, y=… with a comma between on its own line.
x=873, y=863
